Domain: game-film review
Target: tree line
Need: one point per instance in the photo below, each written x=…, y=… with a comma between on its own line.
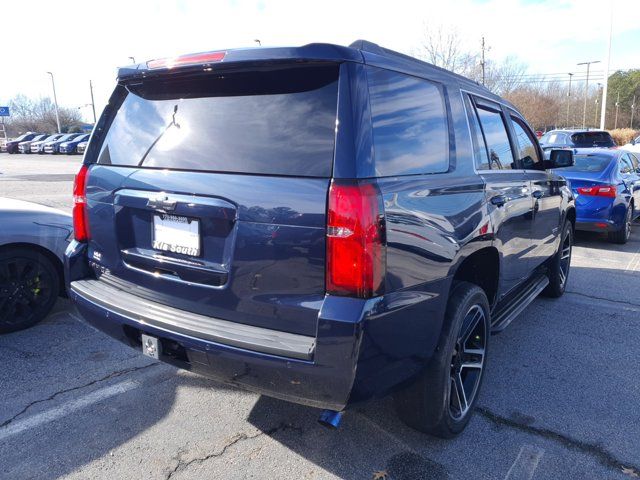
x=39, y=115
x=545, y=103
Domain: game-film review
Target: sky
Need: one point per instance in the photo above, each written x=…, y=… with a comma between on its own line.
x=80, y=41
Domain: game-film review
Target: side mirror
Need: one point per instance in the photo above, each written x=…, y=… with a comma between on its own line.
x=559, y=158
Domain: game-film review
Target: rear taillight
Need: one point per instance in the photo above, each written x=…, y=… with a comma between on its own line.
x=80, y=224
x=599, y=191
x=190, y=59
x=356, y=256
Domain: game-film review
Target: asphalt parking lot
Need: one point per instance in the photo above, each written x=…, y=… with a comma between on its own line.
x=560, y=399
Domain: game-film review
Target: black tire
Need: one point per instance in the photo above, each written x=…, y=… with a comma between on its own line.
x=622, y=236
x=430, y=404
x=560, y=264
x=29, y=287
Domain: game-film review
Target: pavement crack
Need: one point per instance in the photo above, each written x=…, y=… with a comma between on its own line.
x=240, y=437
x=596, y=451
x=79, y=387
x=594, y=297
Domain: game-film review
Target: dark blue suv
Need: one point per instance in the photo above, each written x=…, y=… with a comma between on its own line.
x=321, y=224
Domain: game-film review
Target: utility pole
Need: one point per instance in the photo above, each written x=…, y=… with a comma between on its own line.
x=55, y=101
x=595, y=118
x=615, y=122
x=93, y=105
x=633, y=108
x=603, y=115
x=569, y=100
x=586, y=91
x=482, y=62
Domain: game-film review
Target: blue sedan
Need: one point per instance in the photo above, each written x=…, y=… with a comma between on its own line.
x=606, y=184
x=70, y=146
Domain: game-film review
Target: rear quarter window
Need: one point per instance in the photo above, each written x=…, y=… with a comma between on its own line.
x=410, y=133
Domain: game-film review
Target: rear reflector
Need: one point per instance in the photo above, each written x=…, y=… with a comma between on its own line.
x=599, y=191
x=80, y=224
x=356, y=256
x=191, y=59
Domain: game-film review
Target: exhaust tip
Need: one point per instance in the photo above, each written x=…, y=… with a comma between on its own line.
x=330, y=419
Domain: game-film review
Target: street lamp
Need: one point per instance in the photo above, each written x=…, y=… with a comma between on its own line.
x=586, y=91
x=595, y=118
x=55, y=101
x=133, y=60
x=258, y=42
x=569, y=99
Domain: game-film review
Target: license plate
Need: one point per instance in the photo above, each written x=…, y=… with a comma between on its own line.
x=150, y=346
x=172, y=233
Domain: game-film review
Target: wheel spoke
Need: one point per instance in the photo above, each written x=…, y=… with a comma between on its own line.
x=477, y=316
x=462, y=396
x=563, y=277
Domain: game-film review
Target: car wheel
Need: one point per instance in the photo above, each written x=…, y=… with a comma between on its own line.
x=560, y=264
x=29, y=286
x=622, y=236
x=441, y=401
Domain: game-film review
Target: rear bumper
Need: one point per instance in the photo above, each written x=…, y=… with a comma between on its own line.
x=251, y=357
x=362, y=348
x=597, y=226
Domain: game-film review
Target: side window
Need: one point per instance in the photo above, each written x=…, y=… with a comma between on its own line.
x=527, y=151
x=634, y=161
x=495, y=135
x=479, y=146
x=410, y=132
x=625, y=165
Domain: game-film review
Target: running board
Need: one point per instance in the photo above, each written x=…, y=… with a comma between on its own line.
x=510, y=311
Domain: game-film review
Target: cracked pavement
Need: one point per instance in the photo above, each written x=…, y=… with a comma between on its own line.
x=560, y=400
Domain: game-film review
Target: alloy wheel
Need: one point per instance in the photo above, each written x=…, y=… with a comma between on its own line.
x=467, y=362
x=25, y=288
x=565, y=258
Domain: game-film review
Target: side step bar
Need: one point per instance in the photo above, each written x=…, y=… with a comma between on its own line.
x=506, y=314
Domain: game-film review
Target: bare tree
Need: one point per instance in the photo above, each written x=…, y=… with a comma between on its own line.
x=38, y=115
x=442, y=46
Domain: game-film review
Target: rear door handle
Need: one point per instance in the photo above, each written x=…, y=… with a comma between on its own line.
x=498, y=200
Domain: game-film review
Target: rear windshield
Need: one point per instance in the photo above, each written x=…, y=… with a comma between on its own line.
x=589, y=163
x=592, y=139
x=278, y=122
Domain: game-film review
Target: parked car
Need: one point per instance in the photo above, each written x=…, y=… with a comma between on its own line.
x=32, y=244
x=38, y=147
x=69, y=147
x=12, y=146
x=606, y=185
x=25, y=147
x=576, y=139
x=82, y=146
x=331, y=226
x=633, y=146
x=54, y=146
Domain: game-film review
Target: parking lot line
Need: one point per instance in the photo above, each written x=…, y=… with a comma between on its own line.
x=58, y=412
x=526, y=463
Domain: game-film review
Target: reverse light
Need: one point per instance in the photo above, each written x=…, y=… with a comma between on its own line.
x=190, y=59
x=599, y=191
x=80, y=223
x=356, y=256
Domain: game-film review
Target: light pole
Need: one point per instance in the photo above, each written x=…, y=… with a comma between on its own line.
x=569, y=99
x=595, y=118
x=93, y=105
x=603, y=115
x=586, y=91
x=55, y=101
x=633, y=107
x=615, y=122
